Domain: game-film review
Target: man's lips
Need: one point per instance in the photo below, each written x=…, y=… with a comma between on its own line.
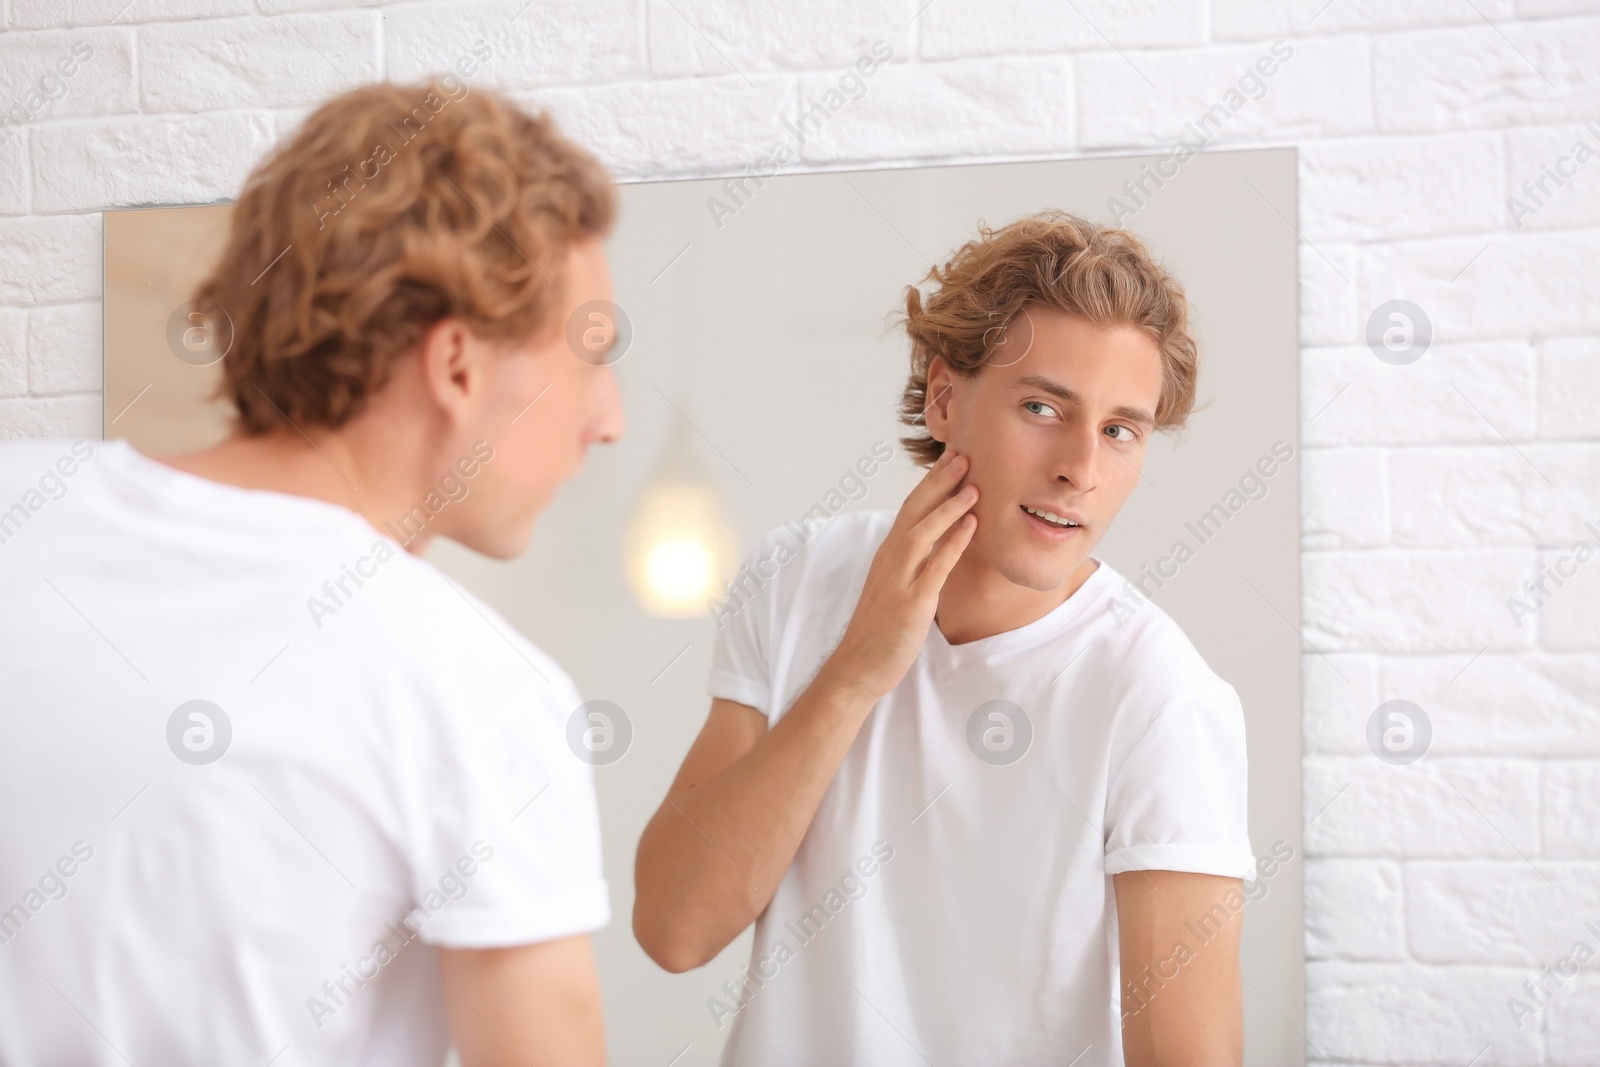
x=1047, y=530
x=1054, y=516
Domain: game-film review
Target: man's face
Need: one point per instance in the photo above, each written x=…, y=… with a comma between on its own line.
x=1057, y=420
x=546, y=406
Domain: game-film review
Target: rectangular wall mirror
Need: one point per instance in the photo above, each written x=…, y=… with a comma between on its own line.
x=765, y=361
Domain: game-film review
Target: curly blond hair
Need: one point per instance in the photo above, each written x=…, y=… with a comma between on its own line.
x=392, y=207
x=1055, y=260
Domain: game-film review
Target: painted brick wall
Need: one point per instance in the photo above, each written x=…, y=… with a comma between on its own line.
x=1433, y=490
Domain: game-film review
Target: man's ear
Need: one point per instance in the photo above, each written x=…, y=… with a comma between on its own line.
x=936, y=413
x=452, y=366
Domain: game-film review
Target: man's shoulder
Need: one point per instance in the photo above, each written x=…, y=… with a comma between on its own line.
x=454, y=645
x=1149, y=649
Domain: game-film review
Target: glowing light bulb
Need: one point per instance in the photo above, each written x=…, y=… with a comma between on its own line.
x=679, y=570
x=680, y=543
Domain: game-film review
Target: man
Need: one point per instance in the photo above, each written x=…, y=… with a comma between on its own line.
x=274, y=789
x=954, y=772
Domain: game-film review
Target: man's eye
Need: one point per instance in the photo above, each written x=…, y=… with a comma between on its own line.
x=1031, y=404
x=1131, y=435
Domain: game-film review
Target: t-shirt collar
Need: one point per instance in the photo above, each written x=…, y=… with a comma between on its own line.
x=1029, y=635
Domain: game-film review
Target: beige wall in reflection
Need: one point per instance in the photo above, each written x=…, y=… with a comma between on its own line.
x=154, y=259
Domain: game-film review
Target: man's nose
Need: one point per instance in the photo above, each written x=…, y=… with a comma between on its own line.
x=1074, y=460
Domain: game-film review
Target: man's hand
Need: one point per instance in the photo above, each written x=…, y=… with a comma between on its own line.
x=901, y=590
x=1179, y=935
x=534, y=1005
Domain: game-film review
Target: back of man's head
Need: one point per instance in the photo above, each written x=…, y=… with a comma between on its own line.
x=392, y=207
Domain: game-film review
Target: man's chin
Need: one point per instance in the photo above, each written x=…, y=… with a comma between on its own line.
x=504, y=543
x=1036, y=569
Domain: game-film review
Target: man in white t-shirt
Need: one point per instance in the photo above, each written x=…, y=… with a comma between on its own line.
x=273, y=789
x=960, y=774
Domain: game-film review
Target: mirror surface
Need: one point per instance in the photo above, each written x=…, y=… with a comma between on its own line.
x=764, y=355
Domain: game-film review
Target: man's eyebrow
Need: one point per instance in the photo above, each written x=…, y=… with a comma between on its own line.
x=1054, y=388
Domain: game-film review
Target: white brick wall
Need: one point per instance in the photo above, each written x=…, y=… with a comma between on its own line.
x=1432, y=491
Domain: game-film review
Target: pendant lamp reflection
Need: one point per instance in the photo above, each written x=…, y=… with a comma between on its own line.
x=680, y=543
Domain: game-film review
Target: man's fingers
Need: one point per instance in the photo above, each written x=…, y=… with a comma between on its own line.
x=935, y=487
x=944, y=557
x=925, y=534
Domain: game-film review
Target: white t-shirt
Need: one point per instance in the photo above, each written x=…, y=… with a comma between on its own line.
x=952, y=901
x=393, y=775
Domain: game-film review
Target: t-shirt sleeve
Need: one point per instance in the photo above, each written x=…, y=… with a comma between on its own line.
x=1178, y=800
x=508, y=849
x=740, y=666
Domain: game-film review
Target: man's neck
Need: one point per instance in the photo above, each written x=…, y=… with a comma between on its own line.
x=978, y=601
